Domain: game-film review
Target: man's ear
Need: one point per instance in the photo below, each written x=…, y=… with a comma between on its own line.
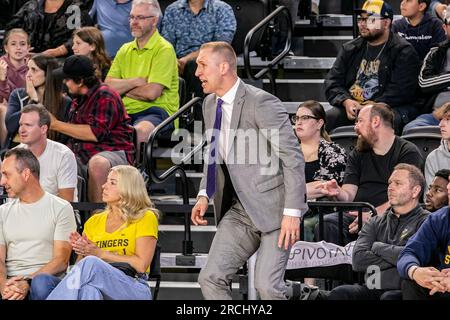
x=376, y=121
x=224, y=68
x=26, y=174
x=422, y=7
x=416, y=191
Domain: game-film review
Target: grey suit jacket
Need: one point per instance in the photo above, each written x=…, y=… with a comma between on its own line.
x=264, y=160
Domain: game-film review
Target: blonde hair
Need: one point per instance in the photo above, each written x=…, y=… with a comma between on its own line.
x=442, y=111
x=15, y=31
x=134, y=200
x=224, y=49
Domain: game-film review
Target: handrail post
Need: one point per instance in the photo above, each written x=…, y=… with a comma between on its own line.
x=187, y=258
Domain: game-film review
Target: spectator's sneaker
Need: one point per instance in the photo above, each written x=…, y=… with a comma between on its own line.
x=295, y=290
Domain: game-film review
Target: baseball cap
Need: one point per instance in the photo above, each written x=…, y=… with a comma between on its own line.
x=76, y=66
x=379, y=8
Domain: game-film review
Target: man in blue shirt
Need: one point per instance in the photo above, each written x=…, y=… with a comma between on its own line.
x=111, y=16
x=424, y=263
x=187, y=24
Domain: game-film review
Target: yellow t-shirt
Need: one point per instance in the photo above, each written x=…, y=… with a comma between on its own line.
x=123, y=240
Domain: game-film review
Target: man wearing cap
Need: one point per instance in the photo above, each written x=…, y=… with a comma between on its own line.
x=145, y=71
x=99, y=127
x=434, y=80
x=378, y=66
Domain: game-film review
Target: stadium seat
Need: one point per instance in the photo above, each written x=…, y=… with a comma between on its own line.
x=346, y=140
x=425, y=141
x=248, y=13
x=155, y=271
x=423, y=129
x=343, y=129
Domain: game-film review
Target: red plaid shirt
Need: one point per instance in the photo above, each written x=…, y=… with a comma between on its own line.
x=103, y=110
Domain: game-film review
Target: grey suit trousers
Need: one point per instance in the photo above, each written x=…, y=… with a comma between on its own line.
x=236, y=240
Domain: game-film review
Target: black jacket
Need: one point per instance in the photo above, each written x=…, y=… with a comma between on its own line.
x=59, y=31
x=381, y=240
x=433, y=79
x=398, y=72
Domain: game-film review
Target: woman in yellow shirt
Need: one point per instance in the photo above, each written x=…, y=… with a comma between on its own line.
x=125, y=234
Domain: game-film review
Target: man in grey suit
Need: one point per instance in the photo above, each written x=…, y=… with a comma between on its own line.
x=258, y=201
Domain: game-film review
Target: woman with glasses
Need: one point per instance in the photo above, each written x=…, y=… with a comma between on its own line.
x=324, y=160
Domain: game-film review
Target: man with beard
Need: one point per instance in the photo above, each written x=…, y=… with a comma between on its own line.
x=436, y=196
x=382, y=238
x=145, y=71
x=378, y=66
x=368, y=169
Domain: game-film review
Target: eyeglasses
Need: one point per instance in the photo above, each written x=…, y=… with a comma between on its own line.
x=305, y=117
x=368, y=20
x=139, y=18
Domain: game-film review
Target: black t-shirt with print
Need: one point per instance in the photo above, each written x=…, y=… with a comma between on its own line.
x=366, y=85
x=371, y=172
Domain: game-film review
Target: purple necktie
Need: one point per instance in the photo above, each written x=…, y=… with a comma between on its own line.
x=213, y=152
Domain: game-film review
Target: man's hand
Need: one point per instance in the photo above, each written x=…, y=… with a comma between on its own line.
x=429, y=277
x=198, y=211
x=445, y=283
x=290, y=231
x=3, y=70
x=351, y=107
x=353, y=227
x=328, y=188
x=139, y=82
x=16, y=288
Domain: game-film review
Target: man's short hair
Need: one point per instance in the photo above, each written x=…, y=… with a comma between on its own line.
x=44, y=115
x=225, y=49
x=153, y=3
x=385, y=113
x=427, y=3
x=443, y=173
x=415, y=176
x=25, y=159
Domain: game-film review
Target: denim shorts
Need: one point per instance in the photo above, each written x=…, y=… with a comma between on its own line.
x=155, y=115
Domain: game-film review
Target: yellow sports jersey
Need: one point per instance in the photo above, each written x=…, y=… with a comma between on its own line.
x=123, y=240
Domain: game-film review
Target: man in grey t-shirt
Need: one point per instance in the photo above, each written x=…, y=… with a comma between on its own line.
x=34, y=229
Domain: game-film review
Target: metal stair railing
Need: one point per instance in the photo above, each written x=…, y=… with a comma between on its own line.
x=187, y=258
x=268, y=70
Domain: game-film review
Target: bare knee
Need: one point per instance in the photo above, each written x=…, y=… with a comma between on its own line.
x=143, y=130
x=99, y=167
